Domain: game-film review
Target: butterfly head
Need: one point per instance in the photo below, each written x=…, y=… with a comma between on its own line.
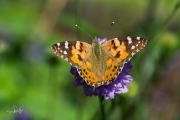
x=95, y=41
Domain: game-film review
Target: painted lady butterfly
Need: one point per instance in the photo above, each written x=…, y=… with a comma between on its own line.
x=99, y=64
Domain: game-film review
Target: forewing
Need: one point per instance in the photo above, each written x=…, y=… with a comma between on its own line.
x=75, y=52
x=122, y=49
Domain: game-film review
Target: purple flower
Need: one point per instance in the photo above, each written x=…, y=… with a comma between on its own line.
x=117, y=86
x=23, y=116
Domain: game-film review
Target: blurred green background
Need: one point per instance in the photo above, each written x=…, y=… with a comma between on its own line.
x=33, y=77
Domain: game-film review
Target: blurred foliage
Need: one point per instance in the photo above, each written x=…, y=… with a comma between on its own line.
x=33, y=77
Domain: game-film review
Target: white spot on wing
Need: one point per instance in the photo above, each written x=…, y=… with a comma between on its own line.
x=58, y=44
x=133, y=47
x=138, y=38
x=66, y=59
x=77, y=45
x=136, y=44
x=129, y=40
x=60, y=50
x=66, y=44
x=117, y=43
x=65, y=52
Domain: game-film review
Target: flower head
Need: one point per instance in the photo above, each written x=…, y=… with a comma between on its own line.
x=117, y=86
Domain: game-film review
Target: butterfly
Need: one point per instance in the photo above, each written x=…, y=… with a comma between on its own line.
x=99, y=63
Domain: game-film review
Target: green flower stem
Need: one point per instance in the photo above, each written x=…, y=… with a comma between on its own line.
x=101, y=100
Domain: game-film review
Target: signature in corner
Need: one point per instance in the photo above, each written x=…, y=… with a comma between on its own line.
x=16, y=110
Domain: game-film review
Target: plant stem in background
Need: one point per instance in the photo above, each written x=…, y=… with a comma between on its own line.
x=165, y=22
x=48, y=18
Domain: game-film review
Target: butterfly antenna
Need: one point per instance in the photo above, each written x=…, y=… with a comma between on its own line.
x=107, y=28
x=83, y=31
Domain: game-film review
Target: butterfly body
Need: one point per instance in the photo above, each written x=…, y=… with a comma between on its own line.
x=99, y=63
x=97, y=49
